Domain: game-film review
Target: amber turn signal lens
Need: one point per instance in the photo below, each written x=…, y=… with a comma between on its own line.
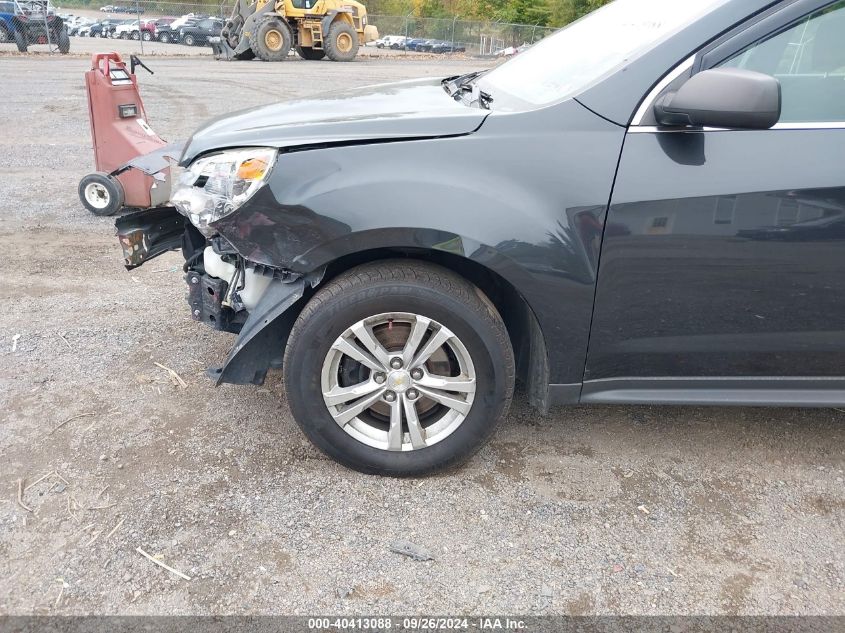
x=252, y=169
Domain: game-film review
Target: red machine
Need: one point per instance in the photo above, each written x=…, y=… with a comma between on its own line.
x=131, y=160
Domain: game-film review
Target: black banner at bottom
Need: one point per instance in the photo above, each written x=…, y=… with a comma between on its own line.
x=528, y=624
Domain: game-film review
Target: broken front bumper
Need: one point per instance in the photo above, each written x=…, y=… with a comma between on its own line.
x=262, y=331
x=147, y=234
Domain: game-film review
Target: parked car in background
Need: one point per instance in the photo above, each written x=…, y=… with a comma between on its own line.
x=130, y=30
x=161, y=30
x=449, y=47
x=198, y=33
x=107, y=9
x=510, y=51
x=84, y=30
x=427, y=45
x=166, y=34
x=391, y=41
x=412, y=43
x=32, y=22
x=7, y=17
x=102, y=28
x=77, y=23
x=181, y=21
x=110, y=29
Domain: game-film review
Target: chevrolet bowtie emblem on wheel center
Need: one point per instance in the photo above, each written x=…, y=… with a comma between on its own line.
x=399, y=381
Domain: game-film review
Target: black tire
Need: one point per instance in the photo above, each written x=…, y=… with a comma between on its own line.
x=399, y=286
x=64, y=42
x=341, y=43
x=4, y=36
x=20, y=41
x=246, y=55
x=272, y=40
x=309, y=53
x=147, y=36
x=109, y=189
x=164, y=38
x=135, y=35
x=189, y=40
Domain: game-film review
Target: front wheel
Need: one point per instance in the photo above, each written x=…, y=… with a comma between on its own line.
x=399, y=368
x=341, y=45
x=271, y=41
x=189, y=40
x=164, y=38
x=147, y=36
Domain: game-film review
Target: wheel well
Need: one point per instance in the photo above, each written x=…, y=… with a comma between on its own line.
x=342, y=16
x=532, y=364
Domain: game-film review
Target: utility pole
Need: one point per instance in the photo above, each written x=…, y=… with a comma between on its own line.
x=140, y=32
x=47, y=26
x=407, y=22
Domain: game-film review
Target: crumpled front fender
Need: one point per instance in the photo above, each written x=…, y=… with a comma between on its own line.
x=261, y=342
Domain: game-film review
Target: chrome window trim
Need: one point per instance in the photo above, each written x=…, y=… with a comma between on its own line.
x=669, y=78
x=824, y=125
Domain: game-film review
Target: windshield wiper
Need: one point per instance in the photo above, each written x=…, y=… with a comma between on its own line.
x=459, y=87
x=456, y=86
x=483, y=98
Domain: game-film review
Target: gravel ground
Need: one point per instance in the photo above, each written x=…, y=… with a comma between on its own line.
x=632, y=510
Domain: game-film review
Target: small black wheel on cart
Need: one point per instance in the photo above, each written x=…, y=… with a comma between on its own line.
x=101, y=194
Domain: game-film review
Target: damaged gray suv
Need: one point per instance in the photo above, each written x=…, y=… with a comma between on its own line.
x=647, y=206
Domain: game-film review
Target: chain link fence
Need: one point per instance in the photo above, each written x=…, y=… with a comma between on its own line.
x=473, y=37
x=478, y=37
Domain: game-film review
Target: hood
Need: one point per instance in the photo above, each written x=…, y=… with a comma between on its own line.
x=405, y=110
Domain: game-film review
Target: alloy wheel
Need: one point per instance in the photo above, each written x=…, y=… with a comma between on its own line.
x=398, y=381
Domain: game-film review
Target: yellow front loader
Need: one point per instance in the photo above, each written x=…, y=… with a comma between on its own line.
x=268, y=29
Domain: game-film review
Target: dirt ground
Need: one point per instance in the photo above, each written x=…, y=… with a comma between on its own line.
x=632, y=510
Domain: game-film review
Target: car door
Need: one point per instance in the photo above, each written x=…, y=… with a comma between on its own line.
x=723, y=260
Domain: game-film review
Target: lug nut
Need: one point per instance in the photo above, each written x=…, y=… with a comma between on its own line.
x=389, y=396
x=380, y=378
x=396, y=363
x=417, y=374
x=195, y=280
x=413, y=394
x=196, y=313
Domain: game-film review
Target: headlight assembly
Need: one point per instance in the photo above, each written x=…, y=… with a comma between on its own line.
x=213, y=187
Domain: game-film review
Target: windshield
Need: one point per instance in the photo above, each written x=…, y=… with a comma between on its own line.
x=589, y=49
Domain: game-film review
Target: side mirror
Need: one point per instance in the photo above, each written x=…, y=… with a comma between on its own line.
x=722, y=97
